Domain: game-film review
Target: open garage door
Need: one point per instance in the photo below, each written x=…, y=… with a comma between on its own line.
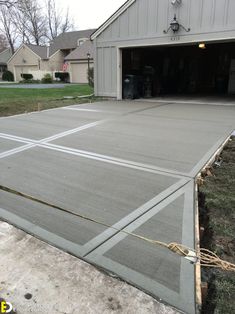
x=163, y=70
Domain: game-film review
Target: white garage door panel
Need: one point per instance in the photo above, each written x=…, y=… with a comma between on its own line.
x=79, y=72
x=24, y=69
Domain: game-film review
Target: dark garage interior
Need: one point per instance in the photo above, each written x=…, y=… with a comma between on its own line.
x=164, y=70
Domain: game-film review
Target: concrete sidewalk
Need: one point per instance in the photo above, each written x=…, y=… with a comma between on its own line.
x=124, y=165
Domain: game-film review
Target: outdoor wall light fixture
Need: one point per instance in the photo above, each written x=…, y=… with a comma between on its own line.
x=175, y=26
x=175, y=2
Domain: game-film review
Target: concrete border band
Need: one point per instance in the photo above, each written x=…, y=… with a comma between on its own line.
x=186, y=299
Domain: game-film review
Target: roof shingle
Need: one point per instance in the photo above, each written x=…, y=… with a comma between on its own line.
x=64, y=41
x=41, y=51
x=69, y=40
x=80, y=53
x=5, y=56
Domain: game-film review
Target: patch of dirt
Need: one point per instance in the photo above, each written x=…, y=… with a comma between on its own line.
x=217, y=217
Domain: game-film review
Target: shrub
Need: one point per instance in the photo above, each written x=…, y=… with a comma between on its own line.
x=27, y=76
x=90, y=76
x=63, y=76
x=30, y=82
x=47, y=79
x=8, y=76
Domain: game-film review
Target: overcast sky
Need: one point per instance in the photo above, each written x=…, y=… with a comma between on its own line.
x=90, y=13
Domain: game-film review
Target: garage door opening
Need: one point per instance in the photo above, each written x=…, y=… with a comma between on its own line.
x=179, y=70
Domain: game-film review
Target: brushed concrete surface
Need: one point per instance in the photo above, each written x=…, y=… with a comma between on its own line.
x=102, y=191
x=117, y=107
x=39, y=125
x=60, y=283
x=155, y=137
x=6, y=145
x=128, y=164
x=152, y=267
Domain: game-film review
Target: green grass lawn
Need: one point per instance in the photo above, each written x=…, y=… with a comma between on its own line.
x=20, y=100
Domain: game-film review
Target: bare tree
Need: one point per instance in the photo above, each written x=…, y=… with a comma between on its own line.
x=34, y=20
x=27, y=21
x=67, y=23
x=19, y=21
x=58, y=21
x=7, y=27
x=8, y=3
x=3, y=42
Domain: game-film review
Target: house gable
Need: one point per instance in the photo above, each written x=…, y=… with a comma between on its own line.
x=110, y=20
x=23, y=56
x=54, y=63
x=69, y=41
x=5, y=55
x=148, y=19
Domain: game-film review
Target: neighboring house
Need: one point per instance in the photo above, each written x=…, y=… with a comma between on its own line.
x=79, y=61
x=4, y=57
x=39, y=60
x=181, y=46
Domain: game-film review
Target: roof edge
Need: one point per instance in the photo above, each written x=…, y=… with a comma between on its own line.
x=8, y=48
x=13, y=55
x=112, y=18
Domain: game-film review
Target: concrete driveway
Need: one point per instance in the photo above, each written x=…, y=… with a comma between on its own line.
x=124, y=166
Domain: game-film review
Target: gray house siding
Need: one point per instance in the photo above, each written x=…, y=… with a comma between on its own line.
x=143, y=23
x=106, y=77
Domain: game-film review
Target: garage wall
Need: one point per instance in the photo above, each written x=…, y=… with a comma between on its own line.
x=16, y=66
x=148, y=19
x=106, y=72
x=18, y=70
x=78, y=72
x=55, y=63
x=143, y=24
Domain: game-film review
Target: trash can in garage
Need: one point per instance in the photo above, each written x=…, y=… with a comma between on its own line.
x=131, y=87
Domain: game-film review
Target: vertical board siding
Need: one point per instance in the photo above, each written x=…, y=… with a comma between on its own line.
x=124, y=25
x=114, y=70
x=106, y=71
x=152, y=17
x=115, y=30
x=133, y=21
x=182, y=13
x=162, y=15
x=231, y=14
x=145, y=20
x=148, y=18
x=206, y=14
x=99, y=70
x=220, y=12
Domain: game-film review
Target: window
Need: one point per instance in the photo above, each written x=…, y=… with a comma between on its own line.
x=81, y=41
